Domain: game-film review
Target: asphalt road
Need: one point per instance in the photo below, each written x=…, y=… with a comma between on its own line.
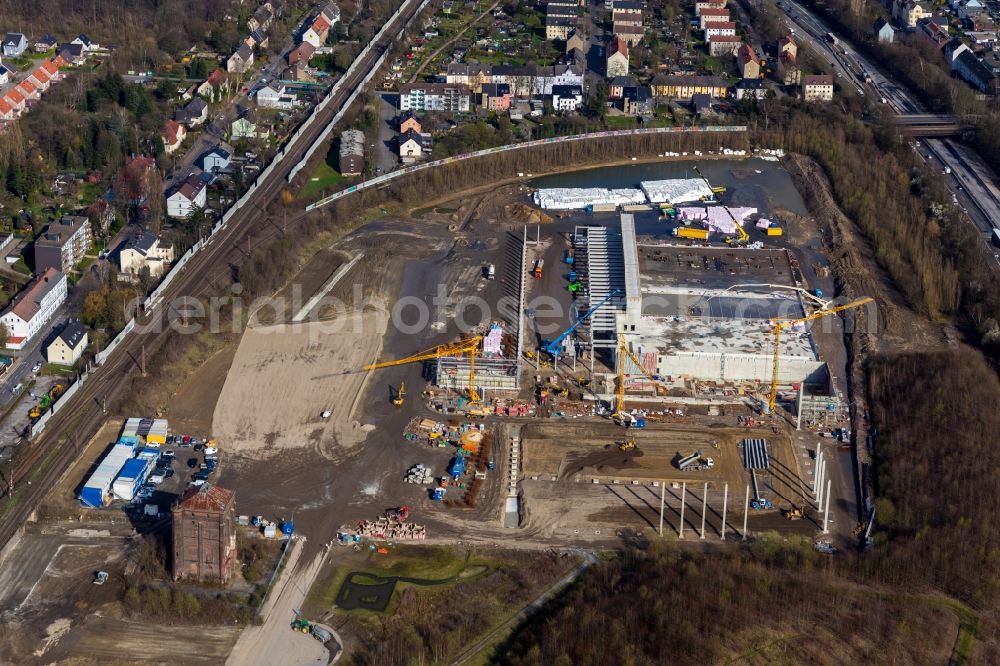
x=70, y=428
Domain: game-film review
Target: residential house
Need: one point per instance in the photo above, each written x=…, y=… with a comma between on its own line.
x=241, y=60
x=576, y=41
x=433, y=97
x=754, y=88
x=85, y=41
x=68, y=345
x=788, y=72
x=331, y=12
x=934, y=30
x=567, y=98
x=243, y=127
x=884, y=32
x=214, y=86
x=74, y=54
x=617, y=86
x=14, y=44
x=194, y=114
x=257, y=39
x=712, y=16
x=970, y=9
x=533, y=80
x=46, y=43
x=316, y=32
x=261, y=19
x=787, y=46
x=748, y=62
x=683, y=87
x=559, y=27
x=352, y=153
x=408, y=121
x=51, y=68
x=143, y=250
x=617, y=58
x=33, y=306
x=40, y=78
x=173, y=134
x=637, y=100
x=297, y=72
x=63, y=244
x=701, y=105
x=302, y=53
x=29, y=90
x=627, y=6
x=817, y=88
x=6, y=110
x=216, y=159
x=6, y=74
x=16, y=100
x=471, y=74
x=411, y=145
x=975, y=73
x=908, y=12
x=953, y=49
x=494, y=97
x=186, y=196
x=275, y=95
x=720, y=28
x=632, y=34
x=702, y=5
x=102, y=214
x=622, y=18
x=723, y=45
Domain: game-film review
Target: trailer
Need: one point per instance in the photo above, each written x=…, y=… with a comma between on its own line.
x=694, y=462
x=693, y=233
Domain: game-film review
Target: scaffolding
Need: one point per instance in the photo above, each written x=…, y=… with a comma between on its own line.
x=601, y=266
x=492, y=374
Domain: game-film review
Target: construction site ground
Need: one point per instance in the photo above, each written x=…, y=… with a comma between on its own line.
x=264, y=397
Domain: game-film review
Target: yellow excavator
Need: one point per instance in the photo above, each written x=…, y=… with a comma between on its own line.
x=782, y=324
x=468, y=346
x=626, y=445
x=400, y=396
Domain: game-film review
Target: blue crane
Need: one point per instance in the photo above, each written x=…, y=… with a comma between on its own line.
x=554, y=346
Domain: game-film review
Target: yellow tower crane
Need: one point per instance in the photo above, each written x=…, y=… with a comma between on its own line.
x=782, y=324
x=468, y=346
x=624, y=352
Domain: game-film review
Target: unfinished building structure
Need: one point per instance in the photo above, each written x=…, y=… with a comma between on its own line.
x=204, y=535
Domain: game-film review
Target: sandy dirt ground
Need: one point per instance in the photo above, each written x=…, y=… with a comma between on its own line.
x=274, y=642
x=284, y=377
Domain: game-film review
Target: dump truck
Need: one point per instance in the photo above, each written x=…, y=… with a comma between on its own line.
x=537, y=272
x=693, y=233
x=457, y=466
x=695, y=463
x=491, y=272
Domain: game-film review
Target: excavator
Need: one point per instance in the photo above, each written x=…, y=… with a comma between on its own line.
x=626, y=445
x=619, y=416
x=468, y=346
x=781, y=324
x=397, y=400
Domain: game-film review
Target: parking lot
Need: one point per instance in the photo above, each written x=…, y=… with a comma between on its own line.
x=184, y=461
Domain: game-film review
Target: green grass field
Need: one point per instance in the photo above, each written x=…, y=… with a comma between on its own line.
x=323, y=180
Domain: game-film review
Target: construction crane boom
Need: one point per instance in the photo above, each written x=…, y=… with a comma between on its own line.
x=812, y=295
x=782, y=324
x=468, y=346
x=554, y=346
x=743, y=235
x=624, y=350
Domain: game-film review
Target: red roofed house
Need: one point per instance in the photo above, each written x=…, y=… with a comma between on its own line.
x=41, y=79
x=29, y=90
x=749, y=62
x=317, y=33
x=302, y=53
x=720, y=45
x=6, y=110
x=215, y=83
x=173, y=136
x=712, y=15
x=617, y=64
x=33, y=307
x=15, y=99
x=204, y=534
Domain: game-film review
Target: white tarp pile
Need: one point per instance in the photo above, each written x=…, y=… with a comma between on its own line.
x=677, y=190
x=715, y=218
x=569, y=198
x=763, y=223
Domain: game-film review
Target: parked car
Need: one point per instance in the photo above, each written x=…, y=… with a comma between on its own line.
x=17, y=389
x=211, y=450
x=35, y=368
x=192, y=463
x=157, y=479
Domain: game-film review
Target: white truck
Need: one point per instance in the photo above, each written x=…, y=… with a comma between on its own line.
x=694, y=462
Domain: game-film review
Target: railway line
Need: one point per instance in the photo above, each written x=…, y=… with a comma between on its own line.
x=68, y=430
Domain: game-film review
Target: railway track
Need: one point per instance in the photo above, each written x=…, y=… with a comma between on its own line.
x=68, y=430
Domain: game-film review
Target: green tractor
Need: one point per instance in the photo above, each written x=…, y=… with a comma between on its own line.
x=574, y=287
x=301, y=625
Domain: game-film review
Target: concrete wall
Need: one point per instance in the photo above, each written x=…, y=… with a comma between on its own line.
x=737, y=367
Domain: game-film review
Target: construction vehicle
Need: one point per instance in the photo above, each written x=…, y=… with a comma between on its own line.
x=491, y=272
x=574, y=287
x=468, y=346
x=301, y=625
x=718, y=189
x=742, y=236
x=537, y=272
x=554, y=346
x=619, y=416
x=438, y=494
x=792, y=513
x=100, y=578
x=626, y=445
x=400, y=513
x=56, y=391
x=694, y=233
x=400, y=396
x=694, y=462
x=569, y=259
x=758, y=502
x=782, y=324
x=572, y=276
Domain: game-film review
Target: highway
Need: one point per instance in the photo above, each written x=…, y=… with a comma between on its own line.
x=971, y=180
x=70, y=428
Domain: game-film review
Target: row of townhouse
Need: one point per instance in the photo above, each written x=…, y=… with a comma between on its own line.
x=626, y=20
x=524, y=81
x=15, y=100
